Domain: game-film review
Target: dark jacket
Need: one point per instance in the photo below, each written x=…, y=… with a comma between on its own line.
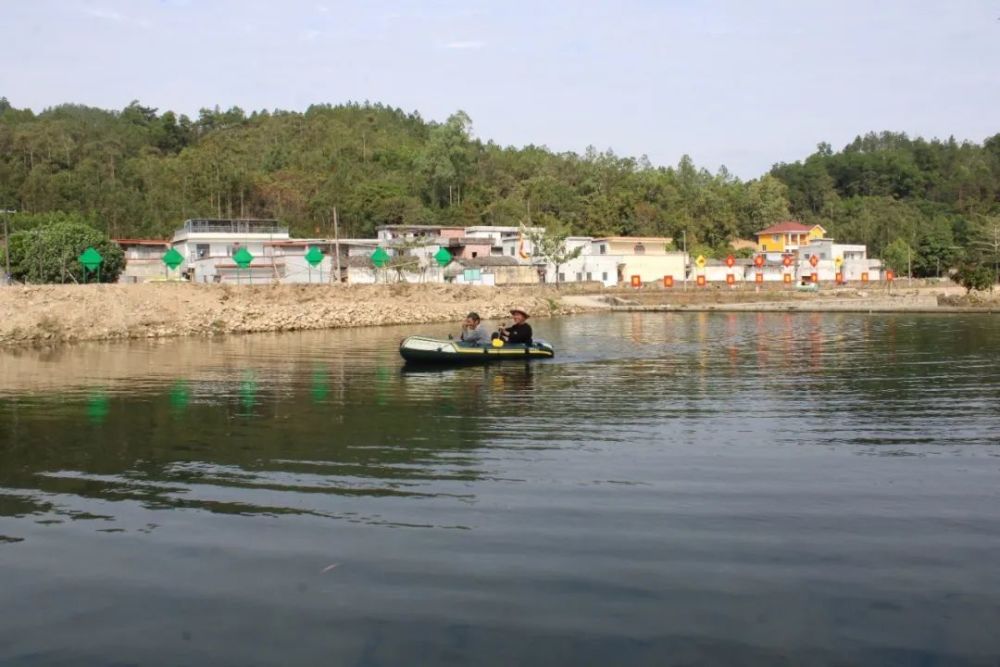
x=518, y=333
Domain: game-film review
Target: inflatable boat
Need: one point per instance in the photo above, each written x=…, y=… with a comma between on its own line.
x=424, y=350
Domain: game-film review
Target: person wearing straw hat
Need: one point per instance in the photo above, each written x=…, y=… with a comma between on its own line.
x=520, y=331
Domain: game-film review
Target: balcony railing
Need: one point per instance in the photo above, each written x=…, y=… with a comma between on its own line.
x=213, y=226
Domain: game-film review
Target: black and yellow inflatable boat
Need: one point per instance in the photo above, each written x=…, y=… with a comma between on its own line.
x=425, y=350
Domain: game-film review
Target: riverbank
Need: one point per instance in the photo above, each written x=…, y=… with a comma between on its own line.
x=63, y=313
x=924, y=298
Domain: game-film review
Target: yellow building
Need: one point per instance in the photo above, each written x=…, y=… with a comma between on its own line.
x=787, y=236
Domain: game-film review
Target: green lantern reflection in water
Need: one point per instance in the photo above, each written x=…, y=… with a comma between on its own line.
x=97, y=407
x=180, y=396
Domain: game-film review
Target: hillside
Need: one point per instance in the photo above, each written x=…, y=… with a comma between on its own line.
x=139, y=172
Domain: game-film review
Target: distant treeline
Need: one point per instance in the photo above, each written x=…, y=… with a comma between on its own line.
x=138, y=173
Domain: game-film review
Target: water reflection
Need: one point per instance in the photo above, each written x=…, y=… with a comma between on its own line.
x=713, y=488
x=97, y=407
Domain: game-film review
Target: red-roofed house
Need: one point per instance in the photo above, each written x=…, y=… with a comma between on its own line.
x=786, y=236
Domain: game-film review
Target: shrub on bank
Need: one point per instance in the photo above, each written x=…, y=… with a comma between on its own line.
x=49, y=254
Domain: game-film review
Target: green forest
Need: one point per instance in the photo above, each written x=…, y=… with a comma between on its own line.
x=136, y=172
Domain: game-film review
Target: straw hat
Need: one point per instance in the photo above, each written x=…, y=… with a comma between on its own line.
x=520, y=310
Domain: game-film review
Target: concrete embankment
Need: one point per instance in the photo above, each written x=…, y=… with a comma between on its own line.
x=54, y=313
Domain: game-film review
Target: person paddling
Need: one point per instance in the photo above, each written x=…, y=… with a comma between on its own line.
x=520, y=331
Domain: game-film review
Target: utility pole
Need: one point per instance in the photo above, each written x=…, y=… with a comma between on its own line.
x=684, y=236
x=6, y=244
x=909, y=267
x=336, y=244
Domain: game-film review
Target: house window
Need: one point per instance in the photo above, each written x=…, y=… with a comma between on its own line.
x=475, y=254
x=640, y=249
x=604, y=249
x=775, y=237
x=562, y=277
x=202, y=250
x=512, y=251
x=763, y=247
x=579, y=277
x=604, y=276
x=588, y=276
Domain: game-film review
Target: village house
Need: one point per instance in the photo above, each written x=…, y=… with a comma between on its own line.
x=143, y=260
x=479, y=255
x=787, y=236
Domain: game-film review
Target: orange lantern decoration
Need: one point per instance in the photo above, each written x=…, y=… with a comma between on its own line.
x=730, y=279
x=814, y=259
x=730, y=261
x=839, y=277
x=759, y=277
x=701, y=281
x=814, y=277
x=864, y=277
x=668, y=281
x=636, y=281
x=787, y=260
x=758, y=261
x=788, y=278
x=890, y=276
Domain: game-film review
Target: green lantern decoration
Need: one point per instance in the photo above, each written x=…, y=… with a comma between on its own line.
x=442, y=257
x=380, y=257
x=91, y=261
x=314, y=256
x=243, y=257
x=172, y=259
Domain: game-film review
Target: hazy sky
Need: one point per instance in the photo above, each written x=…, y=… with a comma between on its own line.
x=742, y=83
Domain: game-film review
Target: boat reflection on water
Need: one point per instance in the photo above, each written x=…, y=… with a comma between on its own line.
x=505, y=378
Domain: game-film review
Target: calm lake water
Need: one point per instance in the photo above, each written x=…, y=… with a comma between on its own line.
x=672, y=489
